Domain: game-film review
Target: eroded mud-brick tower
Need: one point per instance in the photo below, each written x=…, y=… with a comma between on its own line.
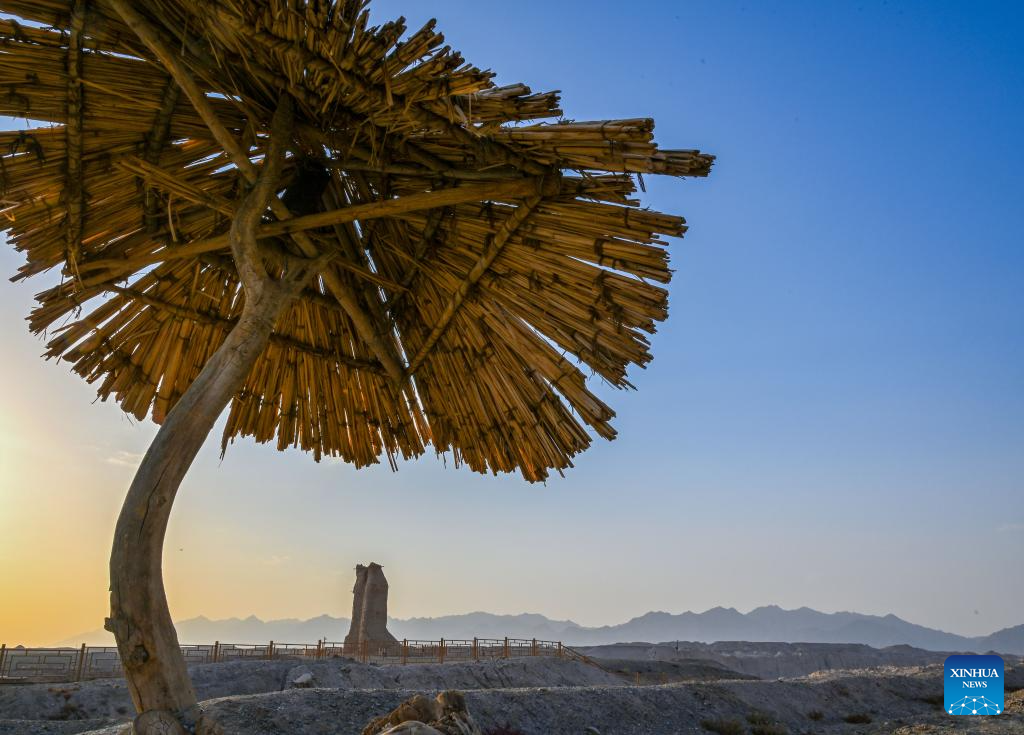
x=369, y=606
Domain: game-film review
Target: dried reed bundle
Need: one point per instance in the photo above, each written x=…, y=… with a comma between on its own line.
x=483, y=246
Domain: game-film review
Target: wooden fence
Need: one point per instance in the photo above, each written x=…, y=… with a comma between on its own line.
x=100, y=662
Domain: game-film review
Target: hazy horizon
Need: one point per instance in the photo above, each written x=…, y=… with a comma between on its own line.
x=833, y=419
x=87, y=635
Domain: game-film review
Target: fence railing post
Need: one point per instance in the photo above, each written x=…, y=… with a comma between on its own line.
x=79, y=669
x=81, y=663
x=638, y=678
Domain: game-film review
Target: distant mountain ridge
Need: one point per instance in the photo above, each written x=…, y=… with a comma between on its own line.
x=763, y=624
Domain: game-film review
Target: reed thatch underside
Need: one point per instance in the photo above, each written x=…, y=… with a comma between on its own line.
x=485, y=249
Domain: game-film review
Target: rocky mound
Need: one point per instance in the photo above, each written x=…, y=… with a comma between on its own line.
x=879, y=700
x=73, y=707
x=850, y=704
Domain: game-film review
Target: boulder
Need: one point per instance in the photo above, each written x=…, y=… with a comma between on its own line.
x=447, y=714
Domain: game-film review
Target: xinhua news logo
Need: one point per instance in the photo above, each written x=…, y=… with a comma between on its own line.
x=974, y=685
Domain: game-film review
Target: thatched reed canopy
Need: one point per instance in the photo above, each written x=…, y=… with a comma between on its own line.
x=479, y=254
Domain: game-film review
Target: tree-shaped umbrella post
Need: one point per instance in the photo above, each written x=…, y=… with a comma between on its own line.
x=345, y=235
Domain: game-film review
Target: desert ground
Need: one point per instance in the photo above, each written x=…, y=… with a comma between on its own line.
x=545, y=696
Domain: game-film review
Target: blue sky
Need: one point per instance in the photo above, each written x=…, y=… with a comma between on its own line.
x=835, y=413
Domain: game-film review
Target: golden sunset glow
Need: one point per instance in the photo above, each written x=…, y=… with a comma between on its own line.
x=840, y=378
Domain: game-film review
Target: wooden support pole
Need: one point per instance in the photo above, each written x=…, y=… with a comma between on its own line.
x=270, y=650
x=504, y=650
x=510, y=190
x=476, y=650
x=405, y=650
x=418, y=171
x=74, y=192
x=81, y=663
x=161, y=48
x=155, y=142
x=440, y=652
x=216, y=651
x=373, y=210
x=153, y=176
x=161, y=129
x=561, y=654
x=3, y=655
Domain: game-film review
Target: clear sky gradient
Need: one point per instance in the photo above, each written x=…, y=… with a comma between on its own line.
x=835, y=413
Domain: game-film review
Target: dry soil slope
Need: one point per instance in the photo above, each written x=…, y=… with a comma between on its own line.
x=896, y=702
x=69, y=708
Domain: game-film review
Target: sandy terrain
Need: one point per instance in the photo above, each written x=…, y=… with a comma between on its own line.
x=533, y=696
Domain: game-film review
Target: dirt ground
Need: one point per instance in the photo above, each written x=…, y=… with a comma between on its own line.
x=528, y=697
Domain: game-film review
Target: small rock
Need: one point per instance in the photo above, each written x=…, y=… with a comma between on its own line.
x=412, y=728
x=300, y=677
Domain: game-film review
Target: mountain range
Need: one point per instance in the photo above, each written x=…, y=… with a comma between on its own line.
x=763, y=624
